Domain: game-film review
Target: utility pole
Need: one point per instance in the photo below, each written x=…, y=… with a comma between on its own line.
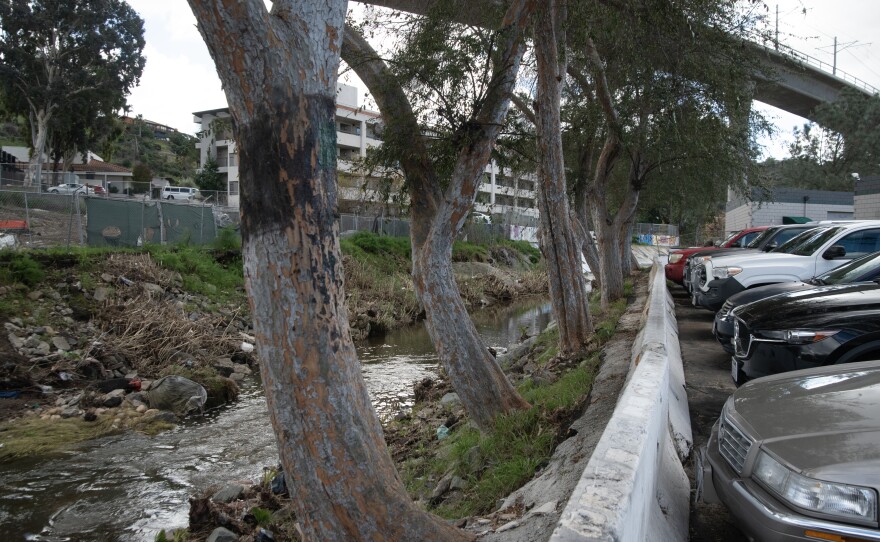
x=834, y=65
x=776, y=41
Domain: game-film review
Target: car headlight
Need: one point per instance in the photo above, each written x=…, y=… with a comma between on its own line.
x=799, y=336
x=726, y=272
x=675, y=258
x=841, y=500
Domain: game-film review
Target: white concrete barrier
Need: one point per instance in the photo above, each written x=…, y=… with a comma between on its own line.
x=634, y=487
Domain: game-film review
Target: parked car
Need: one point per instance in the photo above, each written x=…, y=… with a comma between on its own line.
x=98, y=189
x=71, y=188
x=769, y=240
x=180, y=192
x=825, y=248
x=864, y=269
x=794, y=456
x=738, y=239
x=805, y=329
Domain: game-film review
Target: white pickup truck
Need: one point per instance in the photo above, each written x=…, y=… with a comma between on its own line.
x=821, y=250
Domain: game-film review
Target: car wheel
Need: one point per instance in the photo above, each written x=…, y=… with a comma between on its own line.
x=170, y=197
x=53, y=191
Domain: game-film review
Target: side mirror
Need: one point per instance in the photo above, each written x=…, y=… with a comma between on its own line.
x=717, y=243
x=835, y=251
x=771, y=246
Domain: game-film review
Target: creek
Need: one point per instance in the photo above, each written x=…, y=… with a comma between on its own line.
x=127, y=487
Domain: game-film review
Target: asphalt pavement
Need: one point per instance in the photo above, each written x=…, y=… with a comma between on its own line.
x=707, y=373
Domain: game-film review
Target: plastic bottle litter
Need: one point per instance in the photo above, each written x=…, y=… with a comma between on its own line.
x=442, y=432
x=247, y=347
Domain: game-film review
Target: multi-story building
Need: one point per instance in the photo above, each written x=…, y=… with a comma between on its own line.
x=358, y=129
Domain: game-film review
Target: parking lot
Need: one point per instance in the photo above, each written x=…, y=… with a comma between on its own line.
x=707, y=373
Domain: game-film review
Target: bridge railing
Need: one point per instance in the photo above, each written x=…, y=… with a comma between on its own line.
x=804, y=58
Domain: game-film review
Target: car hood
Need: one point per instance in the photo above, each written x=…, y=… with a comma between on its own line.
x=768, y=259
x=813, y=308
x=763, y=292
x=838, y=439
x=718, y=252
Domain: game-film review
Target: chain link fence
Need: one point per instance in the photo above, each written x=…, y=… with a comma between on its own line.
x=41, y=220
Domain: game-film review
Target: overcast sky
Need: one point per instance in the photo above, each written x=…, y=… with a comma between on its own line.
x=180, y=77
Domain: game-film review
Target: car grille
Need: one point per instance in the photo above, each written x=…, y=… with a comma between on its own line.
x=741, y=338
x=725, y=309
x=733, y=445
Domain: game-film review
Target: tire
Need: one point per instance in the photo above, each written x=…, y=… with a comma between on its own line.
x=170, y=197
x=53, y=191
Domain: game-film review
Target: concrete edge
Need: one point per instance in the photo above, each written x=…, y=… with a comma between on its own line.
x=634, y=486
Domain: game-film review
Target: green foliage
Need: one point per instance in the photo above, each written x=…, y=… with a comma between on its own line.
x=92, y=53
x=844, y=140
x=524, y=247
x=178, y=535
x=19, y=267
x=201, y=272
x=228, y=239
x=462, y=251
x=209, y=178
x=263, y=516
x=371, y=243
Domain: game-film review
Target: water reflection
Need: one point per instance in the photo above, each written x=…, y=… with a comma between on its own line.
x=130, y=486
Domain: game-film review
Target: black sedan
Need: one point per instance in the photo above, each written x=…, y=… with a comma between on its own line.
x=864, y=269
x=806, y=329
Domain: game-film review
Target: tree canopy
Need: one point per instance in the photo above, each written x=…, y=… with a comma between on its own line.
x=79, y=58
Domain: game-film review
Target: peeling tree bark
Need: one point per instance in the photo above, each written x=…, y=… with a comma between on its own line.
x=279, y=71
x=560, y=245
x=437, y=217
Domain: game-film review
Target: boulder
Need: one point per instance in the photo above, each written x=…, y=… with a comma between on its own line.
x=112, y=399
x=60, y=343
x=180, y=395
x=224, y=366
x=101, y=294
x=450, y=400
x=229, y=493
x=155, y=415
x=222, y=534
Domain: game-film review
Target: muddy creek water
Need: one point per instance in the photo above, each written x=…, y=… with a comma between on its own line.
x=128, y=487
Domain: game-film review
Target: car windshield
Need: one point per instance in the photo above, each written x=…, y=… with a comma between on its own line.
x=789, y=246
x=729, y=237
x=851, y=271
x=815, y=240
x=759, y=240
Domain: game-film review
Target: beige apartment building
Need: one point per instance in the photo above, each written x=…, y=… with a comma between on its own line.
x=358, y=129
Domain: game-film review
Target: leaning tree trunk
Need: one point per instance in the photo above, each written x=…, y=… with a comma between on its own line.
x=477, y=377
x=281, y=93
x=558, y=242
x=437, y=215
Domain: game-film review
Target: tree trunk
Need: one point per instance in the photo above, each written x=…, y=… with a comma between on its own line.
x=437, y=217
x=343, y=483
x=39, y=121
x=474, y=372
x=558, y=242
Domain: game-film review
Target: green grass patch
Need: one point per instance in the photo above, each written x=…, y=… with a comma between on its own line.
x=201, y=272
x=523, y=247
x=19, y=267
x=33, y=436
x=462, y=251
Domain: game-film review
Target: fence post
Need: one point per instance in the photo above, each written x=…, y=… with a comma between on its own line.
x=202, y=226
x=161, y=223
x=27, y=217
x=79, y=223
x=70, y=221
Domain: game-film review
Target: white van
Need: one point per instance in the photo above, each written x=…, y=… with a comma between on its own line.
x=180, y=192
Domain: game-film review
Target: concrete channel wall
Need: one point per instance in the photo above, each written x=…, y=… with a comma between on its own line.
x=634, y=487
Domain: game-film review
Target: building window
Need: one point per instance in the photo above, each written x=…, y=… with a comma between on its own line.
x=233, y=188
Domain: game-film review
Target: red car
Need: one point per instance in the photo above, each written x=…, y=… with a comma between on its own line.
x=675, y=268
x=98, y=189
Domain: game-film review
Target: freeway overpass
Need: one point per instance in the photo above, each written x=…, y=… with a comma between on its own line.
x=799, y=82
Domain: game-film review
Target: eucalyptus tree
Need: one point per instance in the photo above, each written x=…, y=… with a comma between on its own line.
x=444, y=97
x=61, y=54
x=645, y=66
x=279, y=71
